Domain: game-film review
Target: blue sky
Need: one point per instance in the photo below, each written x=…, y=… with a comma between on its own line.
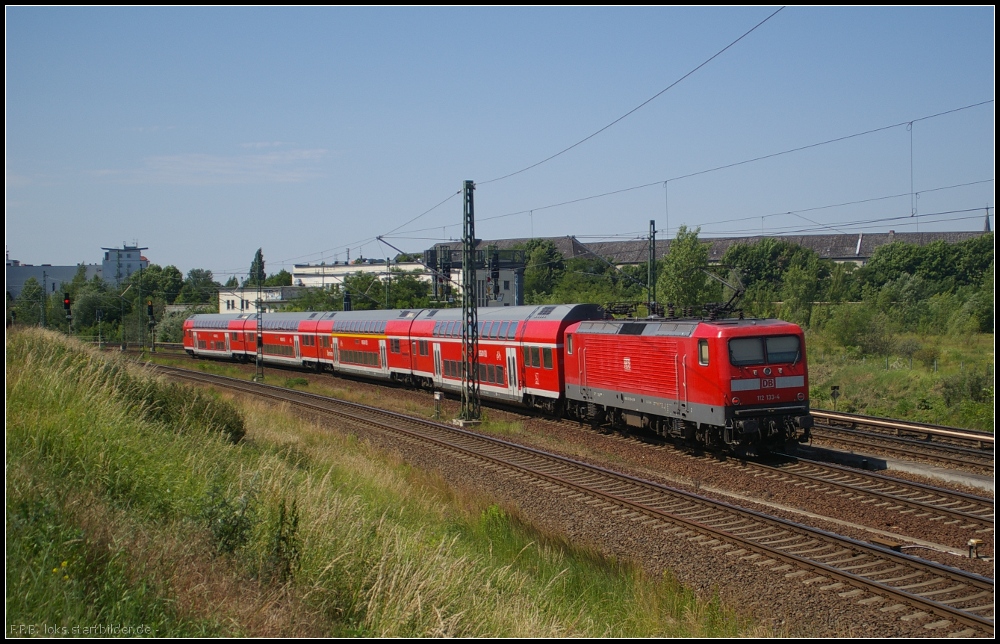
x=204, y=134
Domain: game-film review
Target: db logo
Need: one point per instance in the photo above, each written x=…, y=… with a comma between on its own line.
x=767, y=383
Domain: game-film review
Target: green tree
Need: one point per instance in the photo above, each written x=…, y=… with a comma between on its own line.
x=842, y=285
x=146, y=284
x=171, y=326
x=408, y=291
x=682, y=280
x=597, y=281
x=79, y=281
x=281, y=278
x=890, y=261
x=367, y=291
x=330, y=298
x=798, y=292
x=29, y=302
x=257, y=274
x=974, y=262
x=86, y=307
x=544, y=267
x=760, y=300
x=171, y=283
x=199, y=288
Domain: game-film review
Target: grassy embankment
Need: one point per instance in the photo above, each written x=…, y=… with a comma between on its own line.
x=949, y=381
x=135, y=503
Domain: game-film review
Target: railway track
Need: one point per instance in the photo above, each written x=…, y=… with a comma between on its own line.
x=904, y=447
x=950, y=601
x=933, y=504
x=951, y=446
x=982, y=441
x=928, y=517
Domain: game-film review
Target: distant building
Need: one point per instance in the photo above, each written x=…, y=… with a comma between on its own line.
x=326, y=275
x=120, y=263
x=856, y=249
x=244, y=300
x=49, y=277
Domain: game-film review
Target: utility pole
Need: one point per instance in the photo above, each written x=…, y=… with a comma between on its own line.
x=138, y=307
x=152, y=324
x=471, y=410
x=257, y=272
x=388, y=279
x=651, y=281
x=45, y=296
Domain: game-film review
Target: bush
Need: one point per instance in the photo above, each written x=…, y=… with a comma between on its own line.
x=877, y=338
x=286, y=545
x=230, y=520
x=928, y=356
x=967, y=386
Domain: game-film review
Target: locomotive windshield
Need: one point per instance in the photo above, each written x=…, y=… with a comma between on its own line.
x=771, y=350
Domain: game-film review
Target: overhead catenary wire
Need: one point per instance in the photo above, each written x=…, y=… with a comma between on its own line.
x=864, y=224
x=638, y=107
x=797, y=211
x=727, y=166
x=909, y=123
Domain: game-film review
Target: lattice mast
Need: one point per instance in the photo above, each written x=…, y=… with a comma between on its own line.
x=471, y=409
x=257, y=274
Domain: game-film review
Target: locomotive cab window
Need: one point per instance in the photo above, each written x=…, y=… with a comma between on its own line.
x=703, y=352
x=756, y=351
x=783, y=348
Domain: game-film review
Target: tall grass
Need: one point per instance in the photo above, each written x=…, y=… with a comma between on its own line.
x=134, y=502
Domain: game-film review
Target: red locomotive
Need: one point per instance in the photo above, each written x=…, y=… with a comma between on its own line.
x=721, y=383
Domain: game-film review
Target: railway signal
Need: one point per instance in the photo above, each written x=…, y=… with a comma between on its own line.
x=495, y=273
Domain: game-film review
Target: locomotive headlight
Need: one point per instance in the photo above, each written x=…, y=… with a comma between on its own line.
x=736, y=400
x=800, y=396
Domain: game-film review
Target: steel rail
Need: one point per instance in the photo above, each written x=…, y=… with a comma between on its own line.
x=983, y=440
x=977, y=510
x=909, y=447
